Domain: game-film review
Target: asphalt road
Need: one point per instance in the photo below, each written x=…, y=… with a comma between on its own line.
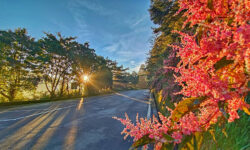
x=74, y=124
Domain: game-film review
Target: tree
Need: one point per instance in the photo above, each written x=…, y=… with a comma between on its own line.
x=103, y=75
x=85, y=63
x=55, y=61
x=119, y=72
x=133, y=78
x=18, y=68
x=162, y=54
x=100, y=78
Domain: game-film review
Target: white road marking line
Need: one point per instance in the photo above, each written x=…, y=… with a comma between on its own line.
x=149, y=111
x=135, y=99
x=149, y=107
x=22, y=110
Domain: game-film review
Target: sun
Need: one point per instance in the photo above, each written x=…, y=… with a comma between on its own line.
x=85, y=78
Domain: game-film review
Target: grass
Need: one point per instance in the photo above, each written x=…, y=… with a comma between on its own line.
x=238, y=136
x=238, y=132
x=46, y=99
x=42, y=100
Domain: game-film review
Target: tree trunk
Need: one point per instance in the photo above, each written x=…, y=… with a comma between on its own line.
x=12, y=94
x=67, y=87
x=62, y=87
x=52, y=94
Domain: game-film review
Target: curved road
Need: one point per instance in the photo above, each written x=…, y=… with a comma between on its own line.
x=84, y=124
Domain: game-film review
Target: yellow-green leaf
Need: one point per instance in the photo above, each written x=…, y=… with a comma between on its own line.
x=224, y=132
x=186, y=106
x=210, y=4
x=143, y=141
x=246, y=110
x=222, y=63
x=211, y=131
x=199, y=139
x=199, y=33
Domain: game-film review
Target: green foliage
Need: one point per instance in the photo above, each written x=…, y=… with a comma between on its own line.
x=102, y=78
x=56, y=61
x=239, y=132
x=167, y=146
x=185, y=141
x=143, y=141
x=168, y=137
x=18, y=67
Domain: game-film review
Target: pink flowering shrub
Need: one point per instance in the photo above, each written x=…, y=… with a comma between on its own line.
x=217, y=66
x=213, y=72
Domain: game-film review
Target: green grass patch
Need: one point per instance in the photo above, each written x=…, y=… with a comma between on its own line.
x=238, y=136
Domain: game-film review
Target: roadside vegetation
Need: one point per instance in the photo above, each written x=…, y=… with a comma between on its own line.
x=55, y=67
x=198, y=70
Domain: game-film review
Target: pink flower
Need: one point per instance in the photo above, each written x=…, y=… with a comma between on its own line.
x=177, y=136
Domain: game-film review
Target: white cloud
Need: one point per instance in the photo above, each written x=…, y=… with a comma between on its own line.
x=132, y=62
x=91, y=5
x=139, y=21
x=112, y=48
x=137, y=67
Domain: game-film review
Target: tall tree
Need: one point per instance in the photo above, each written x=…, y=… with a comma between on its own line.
x=56, y=63
x=17, y=71
x=119, y=72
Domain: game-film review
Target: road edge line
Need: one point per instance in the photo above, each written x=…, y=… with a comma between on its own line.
x=149, y=107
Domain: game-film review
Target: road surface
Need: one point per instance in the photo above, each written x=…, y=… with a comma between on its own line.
x=85, y=124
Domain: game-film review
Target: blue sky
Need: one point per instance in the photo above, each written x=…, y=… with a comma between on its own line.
x=119, y=29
